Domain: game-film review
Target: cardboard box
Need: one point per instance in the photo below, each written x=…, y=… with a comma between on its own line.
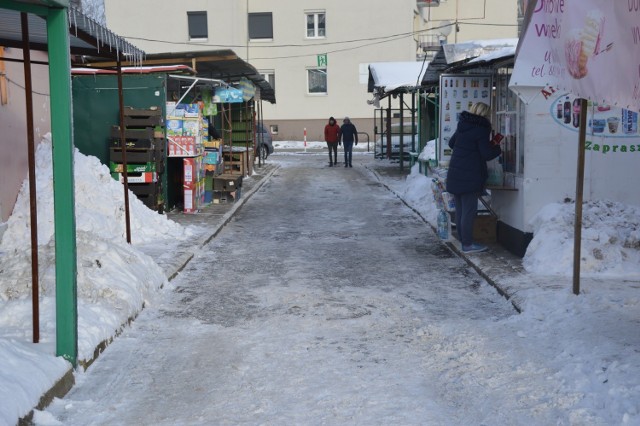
x=190, y=127
x=144, y=177
x=216, y=143
x=484, y=228
x=227, y=183
x=211, y=157
x=174, y=127
x=132, y=167
x=181, y=146
x=190, y=110
x=190, y=173
x=190, y=201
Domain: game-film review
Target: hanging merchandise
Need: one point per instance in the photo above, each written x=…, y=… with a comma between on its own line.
x=248, y=89
x=210, y=108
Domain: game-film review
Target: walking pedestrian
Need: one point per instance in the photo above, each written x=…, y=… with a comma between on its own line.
x=472, y=147
x=332, y=137
x=349, y=135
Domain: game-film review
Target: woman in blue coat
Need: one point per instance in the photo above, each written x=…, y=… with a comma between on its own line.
x=472, y=148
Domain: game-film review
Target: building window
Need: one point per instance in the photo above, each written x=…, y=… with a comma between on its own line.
x=270, y=76
x=260, y=26
x=274, y=129
x=197, y=25
x=316, y=26
x=317, y=81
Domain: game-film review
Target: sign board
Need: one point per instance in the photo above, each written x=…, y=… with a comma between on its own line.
x=579, y=45
x=457, y=94
x=248, y=89
x=228, y=95
x=322, y=60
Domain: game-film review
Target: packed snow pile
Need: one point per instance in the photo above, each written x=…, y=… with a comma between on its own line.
x=114, y=278
x=429, y=151
x=99, y=206
x=610, y=240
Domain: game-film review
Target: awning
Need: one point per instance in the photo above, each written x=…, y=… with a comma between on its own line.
x=87, y=37
x=216, y=64
x=388, y=77
x=486, y=52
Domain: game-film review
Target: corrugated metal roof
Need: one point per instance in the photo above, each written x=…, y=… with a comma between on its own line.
x=86, y=36
x=221, y=64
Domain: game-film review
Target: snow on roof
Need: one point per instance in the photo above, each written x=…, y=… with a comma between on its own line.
x=392, y=75
x=471, y=49
x=495, y=55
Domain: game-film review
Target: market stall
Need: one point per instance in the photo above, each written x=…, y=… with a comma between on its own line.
x=460, y=76
x=540, y=124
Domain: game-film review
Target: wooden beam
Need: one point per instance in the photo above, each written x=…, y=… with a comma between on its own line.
x=165, y=61
x=3, y=80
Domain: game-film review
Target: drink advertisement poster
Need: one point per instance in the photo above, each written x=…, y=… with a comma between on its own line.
x=610, y=129
x=457, y=94
x=590, y=48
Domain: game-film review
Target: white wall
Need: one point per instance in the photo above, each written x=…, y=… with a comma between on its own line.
x=13, y=122
x=346, y=21
x=551, y=150
x=162, y=26
x=475, y=22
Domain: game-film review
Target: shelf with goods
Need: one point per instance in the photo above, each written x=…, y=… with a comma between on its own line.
x=144, y=151
x=186, y=136
x=238, y=137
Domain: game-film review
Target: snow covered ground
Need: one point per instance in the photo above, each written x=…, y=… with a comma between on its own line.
x=584, y=351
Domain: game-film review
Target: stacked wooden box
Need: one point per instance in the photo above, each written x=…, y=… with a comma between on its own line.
x=227, y=188
x=145, y=154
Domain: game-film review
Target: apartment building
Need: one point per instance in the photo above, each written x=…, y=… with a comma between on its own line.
x=315, y=53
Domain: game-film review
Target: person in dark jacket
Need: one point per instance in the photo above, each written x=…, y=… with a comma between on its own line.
x=472, y=148
x=349, y=135
x=332, y=138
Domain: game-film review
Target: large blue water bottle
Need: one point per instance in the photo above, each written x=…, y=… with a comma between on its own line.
x=443, y=225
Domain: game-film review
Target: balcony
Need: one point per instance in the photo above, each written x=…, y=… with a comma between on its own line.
x=430, y=42
x=421, y=4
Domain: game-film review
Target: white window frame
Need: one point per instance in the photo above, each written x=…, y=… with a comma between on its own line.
x=326, y=92
x=316, y=30
x=269, y=76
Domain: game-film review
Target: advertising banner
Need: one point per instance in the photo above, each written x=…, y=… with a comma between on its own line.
x=457, y=94
x=228, y=95
x=610, y=129
x=590, y=48
x=248, y=89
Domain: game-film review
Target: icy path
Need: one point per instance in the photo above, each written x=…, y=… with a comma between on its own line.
x=325, y=301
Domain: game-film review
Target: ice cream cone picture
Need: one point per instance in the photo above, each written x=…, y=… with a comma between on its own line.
x=584, y=43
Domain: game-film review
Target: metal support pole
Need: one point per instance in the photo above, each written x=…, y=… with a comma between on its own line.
x=577, y=225
x=33, y=205
x=401, y=131
x=123, y=145
x=413, y=121
x=261, y=134
x=63, y=185
x=389, y=129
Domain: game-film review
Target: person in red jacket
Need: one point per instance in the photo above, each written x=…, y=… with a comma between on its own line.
x=332, y=137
